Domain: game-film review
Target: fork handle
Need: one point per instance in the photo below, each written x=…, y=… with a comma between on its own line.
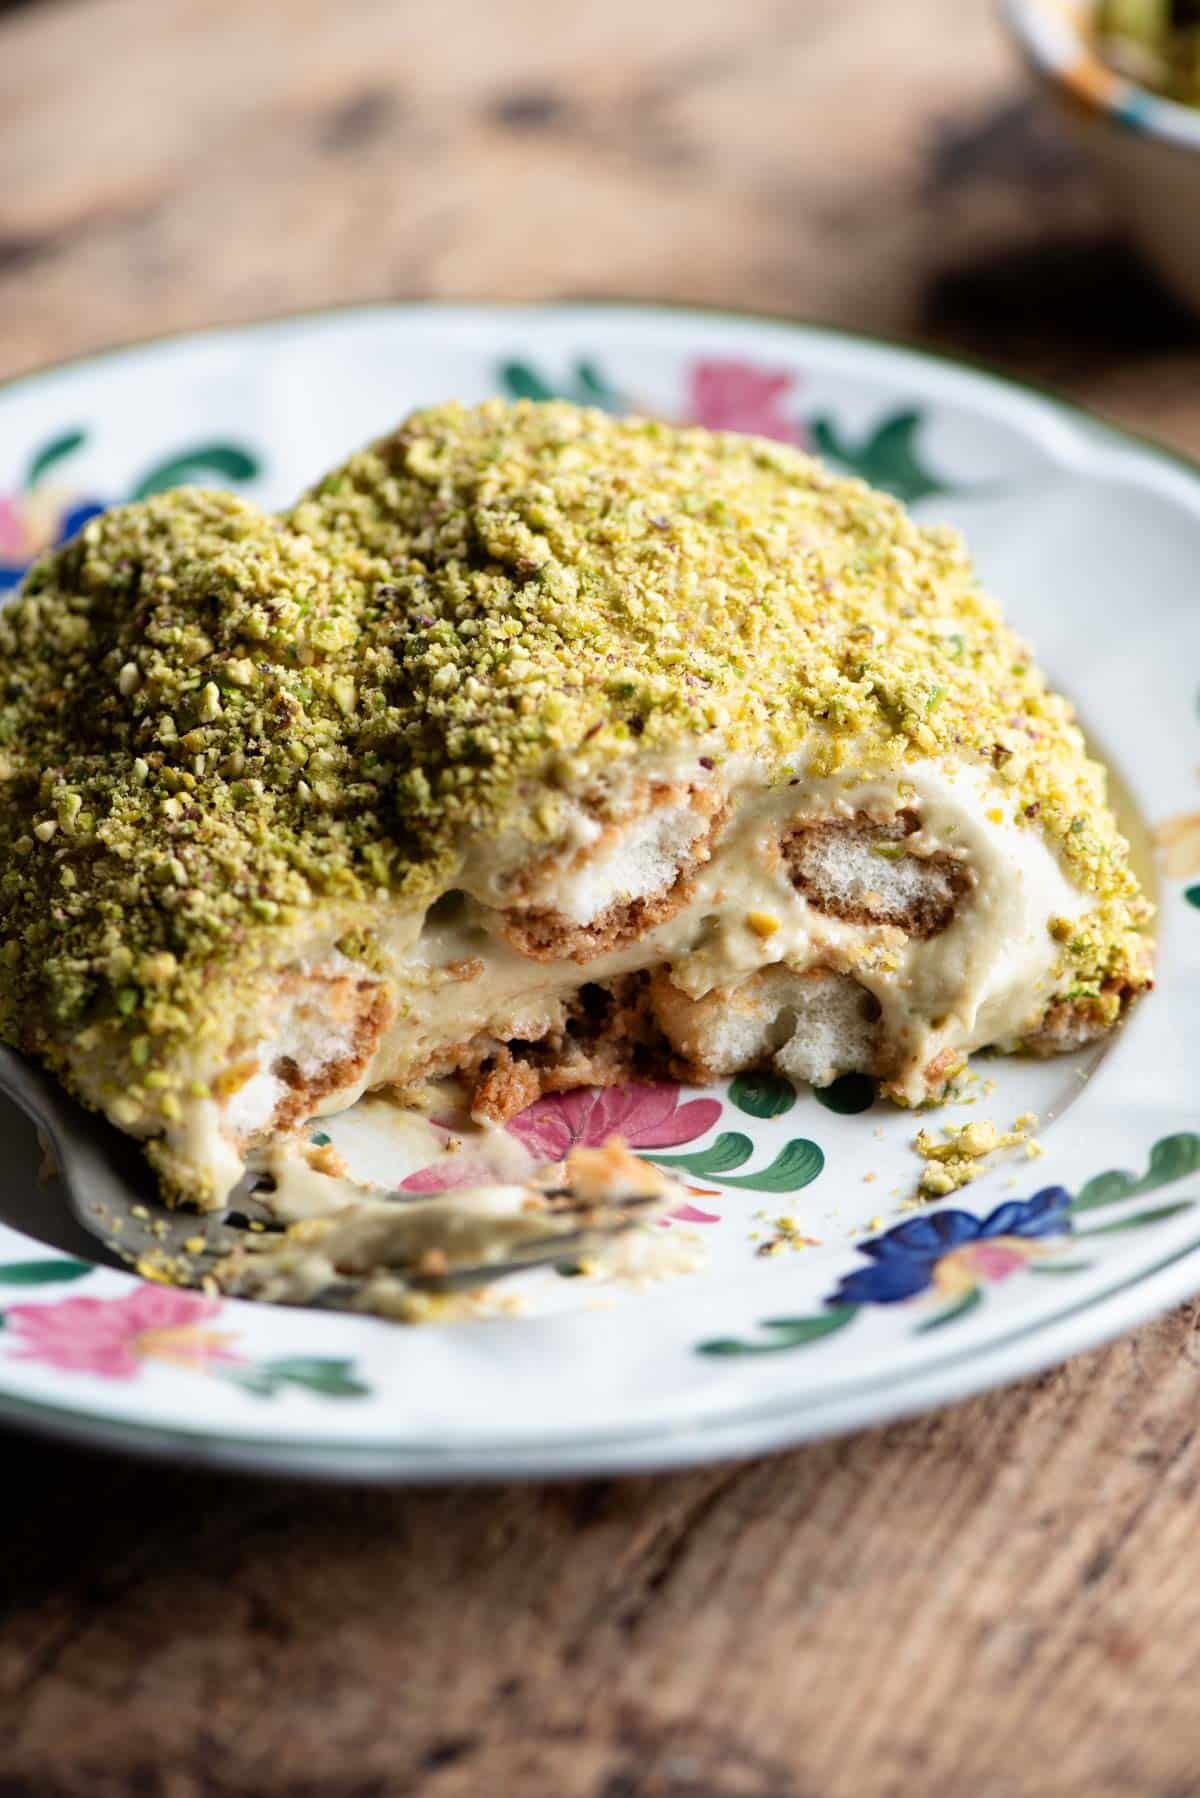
x=82, y=1146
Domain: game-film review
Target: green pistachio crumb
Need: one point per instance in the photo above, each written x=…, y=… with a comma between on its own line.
x=480, y=609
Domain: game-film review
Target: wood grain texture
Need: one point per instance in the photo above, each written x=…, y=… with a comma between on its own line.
x=1001, y=1600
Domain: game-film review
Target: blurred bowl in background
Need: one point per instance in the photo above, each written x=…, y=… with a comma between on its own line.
x=1145, y=147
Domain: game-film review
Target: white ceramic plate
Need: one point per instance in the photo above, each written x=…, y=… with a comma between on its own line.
x=1092, y=541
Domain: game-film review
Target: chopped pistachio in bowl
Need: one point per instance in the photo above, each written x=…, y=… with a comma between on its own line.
x=1119, y=71
x=1155, y=43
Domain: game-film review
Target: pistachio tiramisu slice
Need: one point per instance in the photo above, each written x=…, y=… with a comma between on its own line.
x=543, y=748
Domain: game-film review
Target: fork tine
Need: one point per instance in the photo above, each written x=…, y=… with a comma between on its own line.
x=581, y=1207
x=548, y=1251
x=109, y=1196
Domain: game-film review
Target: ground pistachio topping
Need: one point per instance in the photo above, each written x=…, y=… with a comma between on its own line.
x=216, y=720
x=959, y=1157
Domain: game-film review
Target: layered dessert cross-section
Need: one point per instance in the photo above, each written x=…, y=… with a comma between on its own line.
x=543, y=749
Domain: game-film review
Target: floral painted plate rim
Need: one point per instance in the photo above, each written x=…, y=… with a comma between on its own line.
x=957, y=1377
x=951, y=1260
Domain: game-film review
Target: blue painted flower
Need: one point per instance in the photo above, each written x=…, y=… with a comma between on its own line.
x=953, y=1252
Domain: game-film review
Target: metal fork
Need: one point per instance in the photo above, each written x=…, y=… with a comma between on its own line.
x=110, y=1192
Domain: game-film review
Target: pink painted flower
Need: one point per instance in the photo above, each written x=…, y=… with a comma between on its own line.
x=448, y=1175
x=692, y=1214
x=983, y=1263
x=13, y=531
x=33, y=522
x=648, y=1117
x=740, y=396
x=113, y=1337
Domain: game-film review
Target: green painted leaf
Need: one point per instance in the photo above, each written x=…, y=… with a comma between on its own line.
x=1192, y=895
x=849, y=1094
x=521, y=382
x=786, y=1333
x=1172, y=1158
x=730, y=1150
x=797, y=1164
x=43, y=1273
x=333, y=1385
x=1156, y=1216
x=207, y=461
x=762, y=1095
x=586, y=386
x=250, y=1380
x=888, y=456
x=1103, y=1189
x=51, y=453
x=594, y=390
x=1060, y=1267
x=320, y=1138
x=968, y=1302
x=329, y=1378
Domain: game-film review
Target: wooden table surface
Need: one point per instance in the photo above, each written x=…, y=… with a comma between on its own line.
x=998, y=1600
